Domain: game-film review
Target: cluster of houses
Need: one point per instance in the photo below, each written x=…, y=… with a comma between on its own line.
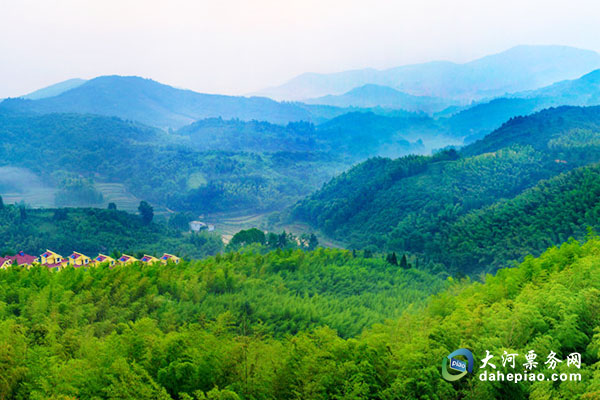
x=57, y=262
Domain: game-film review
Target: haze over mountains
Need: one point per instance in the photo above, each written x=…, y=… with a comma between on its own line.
x=455, y=207
x=517, y=69
x=160, y=105
x=439, y=89
x=215, y=153
x=371, y=95
x=54, y=90
x=480, y=119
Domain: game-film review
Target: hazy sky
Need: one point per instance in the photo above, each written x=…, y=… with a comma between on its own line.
x=235, y=47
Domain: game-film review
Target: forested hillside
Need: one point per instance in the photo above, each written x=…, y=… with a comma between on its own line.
x=547, y=130
x=353, y=136
x=547, y=214
x=420, y=204
x=247, y=326
x=478, y=120
x=162, y=331
x=92, y=230
x=157, y=167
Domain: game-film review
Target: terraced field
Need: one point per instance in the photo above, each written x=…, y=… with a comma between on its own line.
x=37, y=197
x=228, y=225
x=118, y=194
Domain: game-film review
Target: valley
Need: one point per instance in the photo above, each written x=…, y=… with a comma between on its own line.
x=367, y=223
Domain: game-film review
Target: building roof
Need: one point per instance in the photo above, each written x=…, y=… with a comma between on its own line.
x=125, y=258
x=5, y=259
x=55, y=265
x=147, y=258
x=49, y=253
x=101, y=257
x=21, y=258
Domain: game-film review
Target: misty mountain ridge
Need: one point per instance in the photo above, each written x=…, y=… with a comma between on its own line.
x=55, y=89
x=371, y=95
x=163, y=106
x=517, y=69
x=482, y=118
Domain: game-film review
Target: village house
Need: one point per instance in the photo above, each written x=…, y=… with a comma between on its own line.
x=24, y=260
x=101, y=258
x=78, y=260
x=197, y=226
x=149, y=259
x=53, y=260
x=126, y=259
x=5, y=262
x=166, y=258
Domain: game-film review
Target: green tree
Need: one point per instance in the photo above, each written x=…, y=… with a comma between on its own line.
x=404, y=262
x=313, y=242
x=282, y=240
x=248, y=236
x=22, y=213
x=392, y=258
x=146, y=212
x=181, y=221
x=112, y=206
x=60, y=214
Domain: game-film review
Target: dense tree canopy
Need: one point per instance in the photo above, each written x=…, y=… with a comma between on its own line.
x=445, y=207
x=92, y=230
x=251, y=326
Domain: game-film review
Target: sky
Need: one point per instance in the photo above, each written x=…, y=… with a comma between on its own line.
x=237, y=47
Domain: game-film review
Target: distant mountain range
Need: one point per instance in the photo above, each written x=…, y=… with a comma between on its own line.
x=371, y=95
x=518, y=69
x=390, y=113
x=54, y=90
x=159, y=105
x=480, y=119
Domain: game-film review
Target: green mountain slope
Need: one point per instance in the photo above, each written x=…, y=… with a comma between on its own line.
x=584, y=91
x=413, y=203
x=155, y=166
x=547, y=214
x=477, y=121
x=222, y=328
x=106, y=318
x=92, y=231
x=539, y=129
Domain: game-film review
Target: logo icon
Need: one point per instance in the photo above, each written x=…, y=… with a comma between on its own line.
x=458, y=365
